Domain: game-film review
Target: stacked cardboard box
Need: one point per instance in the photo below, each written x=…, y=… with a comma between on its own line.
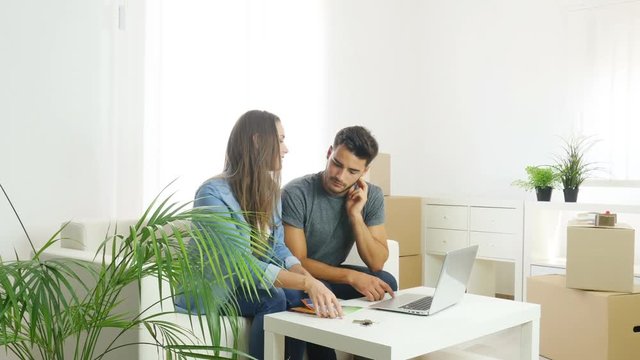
x=593, y=313
x=380, y=173
x=403, y=222
x=585, y=325
x=600, y=258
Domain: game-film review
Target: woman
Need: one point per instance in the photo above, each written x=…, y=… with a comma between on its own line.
x=249, y=188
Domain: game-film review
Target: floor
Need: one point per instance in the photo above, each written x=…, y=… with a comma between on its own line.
x=504, y=345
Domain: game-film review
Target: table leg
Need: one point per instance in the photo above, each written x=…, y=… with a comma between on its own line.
x=530, y=340
x=273, y=346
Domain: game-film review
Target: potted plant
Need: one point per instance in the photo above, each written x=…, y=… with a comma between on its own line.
x=572, y=167
x=47, y=305
x=540, y=178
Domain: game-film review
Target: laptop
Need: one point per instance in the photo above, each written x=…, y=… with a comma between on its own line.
x=452, y=284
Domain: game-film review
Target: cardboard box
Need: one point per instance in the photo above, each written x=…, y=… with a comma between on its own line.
x=585, y=325
x=403, y=222
x=410, y=271
x=380, y=173
x=600, y=258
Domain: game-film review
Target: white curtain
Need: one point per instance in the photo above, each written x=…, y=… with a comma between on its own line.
x=604, y=68
x=209, y=61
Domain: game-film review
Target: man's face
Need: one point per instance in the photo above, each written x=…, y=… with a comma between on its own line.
x=343, y=170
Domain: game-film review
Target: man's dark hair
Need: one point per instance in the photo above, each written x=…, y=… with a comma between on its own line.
x=359, y=141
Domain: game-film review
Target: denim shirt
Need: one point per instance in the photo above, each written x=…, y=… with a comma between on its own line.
x=216, y=193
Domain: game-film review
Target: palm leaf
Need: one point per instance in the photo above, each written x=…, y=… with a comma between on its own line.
x=47, y=303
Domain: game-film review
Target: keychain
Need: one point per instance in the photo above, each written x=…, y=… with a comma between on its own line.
x=365, y=322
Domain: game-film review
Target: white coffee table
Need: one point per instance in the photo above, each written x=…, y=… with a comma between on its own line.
x=400, y=336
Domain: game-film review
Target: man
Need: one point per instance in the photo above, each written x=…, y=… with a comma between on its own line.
x=324, y=214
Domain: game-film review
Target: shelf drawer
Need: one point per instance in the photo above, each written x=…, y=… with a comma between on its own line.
x=500, y=220
x=440, y=241
x=446, y=217
x=494, y=245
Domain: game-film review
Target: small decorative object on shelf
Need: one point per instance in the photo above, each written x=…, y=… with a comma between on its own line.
x=540, y=178
x=572, y=167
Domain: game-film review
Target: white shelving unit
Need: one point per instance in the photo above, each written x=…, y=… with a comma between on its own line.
x=545, y=234
x=497, y=226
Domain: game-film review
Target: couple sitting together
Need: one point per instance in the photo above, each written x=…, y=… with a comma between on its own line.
x=313, y=222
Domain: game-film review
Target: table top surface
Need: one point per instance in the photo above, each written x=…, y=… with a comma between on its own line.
x=403, y=334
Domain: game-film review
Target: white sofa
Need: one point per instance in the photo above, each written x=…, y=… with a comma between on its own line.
x=150, y=297
x=87, y=234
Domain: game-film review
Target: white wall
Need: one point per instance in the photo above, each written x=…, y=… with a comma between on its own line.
x=210, y=61
x=374, y=63
x=63, y=154
x=463, y=94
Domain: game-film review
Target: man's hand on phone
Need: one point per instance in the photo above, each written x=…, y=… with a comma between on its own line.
x=357, y=197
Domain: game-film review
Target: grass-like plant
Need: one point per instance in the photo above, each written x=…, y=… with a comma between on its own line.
x=572, y=167
x=538, y=177
x=58, y=309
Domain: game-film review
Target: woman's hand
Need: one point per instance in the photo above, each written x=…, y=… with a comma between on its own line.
x=325, y=302
x=298, y=269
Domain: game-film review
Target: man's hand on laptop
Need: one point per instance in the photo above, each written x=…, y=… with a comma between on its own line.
x=370, y=286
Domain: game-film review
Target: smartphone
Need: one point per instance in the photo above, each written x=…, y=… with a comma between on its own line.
x=356, y=185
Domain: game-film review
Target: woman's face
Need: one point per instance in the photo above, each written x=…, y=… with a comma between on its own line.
x=283, y=146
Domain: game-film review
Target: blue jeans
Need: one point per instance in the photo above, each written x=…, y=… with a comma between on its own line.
x=267, y=302
x=342, y=291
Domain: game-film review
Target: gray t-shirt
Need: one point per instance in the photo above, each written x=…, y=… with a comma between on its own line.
x=307, y=205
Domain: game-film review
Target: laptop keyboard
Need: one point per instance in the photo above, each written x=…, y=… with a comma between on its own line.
x=420, y=304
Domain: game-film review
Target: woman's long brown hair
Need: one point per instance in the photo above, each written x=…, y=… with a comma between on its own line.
x=252, y=166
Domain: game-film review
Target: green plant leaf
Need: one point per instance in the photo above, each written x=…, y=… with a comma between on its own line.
x=571, y=165
x=538, y=177
x=45, y=304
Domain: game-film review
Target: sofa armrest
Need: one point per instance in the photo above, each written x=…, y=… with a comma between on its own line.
x=392, y=266
x=89, y=234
